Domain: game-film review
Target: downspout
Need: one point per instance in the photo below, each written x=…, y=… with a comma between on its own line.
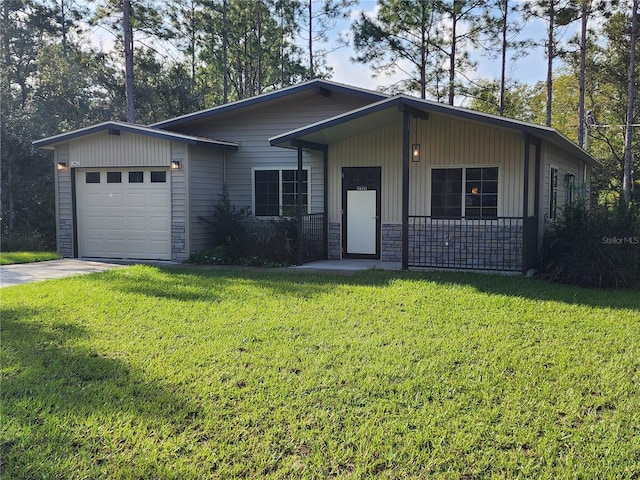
x=405, y=188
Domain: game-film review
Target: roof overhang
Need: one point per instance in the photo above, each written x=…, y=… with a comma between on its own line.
x=114, y=128
x=390, y=110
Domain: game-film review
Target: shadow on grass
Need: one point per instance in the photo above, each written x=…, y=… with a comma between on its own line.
x=195, y=284
x=52, y=386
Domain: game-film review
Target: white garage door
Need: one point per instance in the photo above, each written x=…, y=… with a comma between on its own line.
x=124, y=213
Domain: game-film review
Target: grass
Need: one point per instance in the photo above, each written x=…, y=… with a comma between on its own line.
x=10, y=258
x=149, y=373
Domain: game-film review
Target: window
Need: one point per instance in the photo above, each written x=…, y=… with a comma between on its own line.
x=570, y=188
x=275, y=192
x=553, y=193
x=136, y=177
x=446, y=192
x=159, y=176
x=92, y=177
x=114, y=177
x=480, y=194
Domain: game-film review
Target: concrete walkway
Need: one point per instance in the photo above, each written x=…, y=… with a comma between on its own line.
x=33, y=272
x=348, y=265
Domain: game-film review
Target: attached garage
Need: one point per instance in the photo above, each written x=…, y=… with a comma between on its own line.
x=122, y=190
x=124, y=213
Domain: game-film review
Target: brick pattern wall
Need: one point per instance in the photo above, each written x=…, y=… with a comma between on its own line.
x=65, y=240
x=391, y=248
x=477, y=247
x=178, y=242
x=335, y=241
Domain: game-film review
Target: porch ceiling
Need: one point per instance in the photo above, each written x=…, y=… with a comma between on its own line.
x=342, y=127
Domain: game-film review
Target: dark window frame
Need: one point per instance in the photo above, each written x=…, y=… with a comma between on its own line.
x=553, y=193
x=114, y=177
x=469, y=192
x=264, y=197
x=134, y=178
x=158, y=176
x=87, y=176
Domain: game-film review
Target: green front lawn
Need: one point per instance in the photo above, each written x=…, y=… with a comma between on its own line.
x=9, y=258
x=149, y=373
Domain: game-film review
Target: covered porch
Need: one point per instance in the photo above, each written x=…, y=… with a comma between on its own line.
x=379, y=205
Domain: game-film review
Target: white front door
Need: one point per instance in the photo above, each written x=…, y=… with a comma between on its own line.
x=361, y=222
x=361, y=212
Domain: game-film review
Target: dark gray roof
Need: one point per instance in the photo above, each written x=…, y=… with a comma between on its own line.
x=379, y=112
x=49, y=142
x=265, y=97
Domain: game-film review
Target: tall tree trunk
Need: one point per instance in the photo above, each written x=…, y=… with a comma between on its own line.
x=503, y=69
x=259, y=46
x=128, y=58
x=626, y=178
x=583, y=56
x=550, y=55
x=452, y=58
x=311, y=67
x=423, y=61
x=63, y=21
x=225, y=54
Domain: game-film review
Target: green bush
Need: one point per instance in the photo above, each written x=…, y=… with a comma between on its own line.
x=596, y=247
x=240, y=239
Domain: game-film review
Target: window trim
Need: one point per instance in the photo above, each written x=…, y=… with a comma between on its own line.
x=552, y=201
x=279, y=168
x=464, y=168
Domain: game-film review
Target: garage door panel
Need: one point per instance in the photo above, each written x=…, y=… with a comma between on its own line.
x=128, y=220
x=136, y=200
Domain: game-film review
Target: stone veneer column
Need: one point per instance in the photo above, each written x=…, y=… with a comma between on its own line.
x=335, y=242
x=65, y=239
x=391, y=248
x=178, y=242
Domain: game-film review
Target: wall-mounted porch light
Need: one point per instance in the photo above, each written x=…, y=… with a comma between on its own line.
x=62, y=166
x=176, y=165
x=415, y=148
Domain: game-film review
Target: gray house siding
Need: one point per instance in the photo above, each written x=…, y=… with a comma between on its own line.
x=64, y=212
x=206, y=170
x=252, y=128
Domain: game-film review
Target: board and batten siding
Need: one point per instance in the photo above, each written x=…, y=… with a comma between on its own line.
x=124, y=150
x=445, y=142
x=206, y=169
x=556, y=158
x=381, y=147
x=253, y=127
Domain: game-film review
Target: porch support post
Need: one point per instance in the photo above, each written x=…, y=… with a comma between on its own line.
x=525, y=206
x=405, y=188
x=325, y=216
x=299, y=190
x=527, y=152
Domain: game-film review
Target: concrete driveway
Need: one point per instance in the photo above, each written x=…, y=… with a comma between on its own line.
x=33, y=272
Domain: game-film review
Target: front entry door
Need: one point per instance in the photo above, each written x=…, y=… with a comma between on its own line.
x=361, y=212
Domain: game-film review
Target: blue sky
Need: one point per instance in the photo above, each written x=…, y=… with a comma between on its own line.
x=529, y=69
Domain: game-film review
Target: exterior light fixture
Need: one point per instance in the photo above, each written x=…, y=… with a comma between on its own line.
x=415, y=148
x=176, y=165
x=62, y=166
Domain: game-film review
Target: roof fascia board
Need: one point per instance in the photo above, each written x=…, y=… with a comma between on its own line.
x=419, y=106
x=318, y=85
x=112, y=127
